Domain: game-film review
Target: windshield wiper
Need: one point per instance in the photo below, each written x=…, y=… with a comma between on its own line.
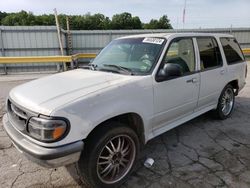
x=89, y=66
x=121, y=68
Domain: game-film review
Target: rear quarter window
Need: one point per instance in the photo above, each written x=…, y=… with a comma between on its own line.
x=232, y=50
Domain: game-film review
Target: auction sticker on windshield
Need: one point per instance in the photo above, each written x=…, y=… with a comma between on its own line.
x=153, y=40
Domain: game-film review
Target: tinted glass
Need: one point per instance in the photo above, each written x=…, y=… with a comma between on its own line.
x=232, y=50
x=181, y=52
x=209, y=53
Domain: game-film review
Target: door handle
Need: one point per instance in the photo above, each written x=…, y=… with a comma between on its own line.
x=193, y=80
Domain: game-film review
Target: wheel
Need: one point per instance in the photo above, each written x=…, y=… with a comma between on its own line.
x=226, y=103
x=109, y=156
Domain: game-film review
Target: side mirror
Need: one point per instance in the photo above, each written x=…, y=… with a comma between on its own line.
x=169, y=71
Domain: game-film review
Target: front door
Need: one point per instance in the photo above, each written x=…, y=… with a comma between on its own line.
x=177, y=97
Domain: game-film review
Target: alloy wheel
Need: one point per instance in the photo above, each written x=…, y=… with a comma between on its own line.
x=116, y=159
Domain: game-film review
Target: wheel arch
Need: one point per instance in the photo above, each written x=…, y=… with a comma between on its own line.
x=131, y=119
x=235, y=85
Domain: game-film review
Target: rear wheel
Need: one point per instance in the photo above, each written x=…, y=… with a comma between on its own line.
x=225, y=103
x=109, y=156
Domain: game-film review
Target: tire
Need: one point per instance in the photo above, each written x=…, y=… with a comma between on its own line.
x=226, y=103
x=103, y=165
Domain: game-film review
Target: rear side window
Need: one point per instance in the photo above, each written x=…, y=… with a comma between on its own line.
x=232, y=50
x=210, y=55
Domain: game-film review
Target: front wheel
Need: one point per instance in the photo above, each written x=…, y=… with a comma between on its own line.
x=109, y=156
x=226, y=103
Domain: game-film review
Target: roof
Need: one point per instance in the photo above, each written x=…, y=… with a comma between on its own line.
x=168, y=35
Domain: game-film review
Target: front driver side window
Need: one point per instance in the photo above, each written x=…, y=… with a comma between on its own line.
x=181, y=52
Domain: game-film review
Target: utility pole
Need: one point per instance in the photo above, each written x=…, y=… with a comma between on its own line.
x=177, y=24
x=184, y=13
x=59, y=37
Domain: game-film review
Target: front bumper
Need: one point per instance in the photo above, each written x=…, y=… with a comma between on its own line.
x=48, y=157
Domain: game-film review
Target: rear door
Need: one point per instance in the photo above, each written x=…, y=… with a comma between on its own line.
x=237, y=66
x=212, y=72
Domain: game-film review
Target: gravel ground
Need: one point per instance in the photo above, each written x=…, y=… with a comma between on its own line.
x=201, y=153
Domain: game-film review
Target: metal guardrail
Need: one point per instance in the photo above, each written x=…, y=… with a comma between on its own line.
x=44, y=59
x=81, y=56
x=35, y=59
x=246, y=51
x=73, y=60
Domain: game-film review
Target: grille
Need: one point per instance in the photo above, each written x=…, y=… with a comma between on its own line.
x=17, y=116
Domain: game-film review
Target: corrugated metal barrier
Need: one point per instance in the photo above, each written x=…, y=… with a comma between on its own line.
x=16, y=41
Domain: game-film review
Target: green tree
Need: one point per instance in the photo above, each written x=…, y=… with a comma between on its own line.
x=137, y=24
x=76, y=22
x=162, y=23
x=90, y=22
x=153, y=24
x=62, y=20
x=2, y=15
x=20, y=18
x=101, y=21
x=45, y=19
x=96, y=22
x=84, y=22
x=125, y=21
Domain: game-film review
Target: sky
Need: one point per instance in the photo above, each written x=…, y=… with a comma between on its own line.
x=199, y=13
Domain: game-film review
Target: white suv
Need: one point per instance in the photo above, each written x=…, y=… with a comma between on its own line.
x=137, y=88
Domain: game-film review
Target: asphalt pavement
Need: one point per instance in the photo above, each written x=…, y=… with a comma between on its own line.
x=203, y=152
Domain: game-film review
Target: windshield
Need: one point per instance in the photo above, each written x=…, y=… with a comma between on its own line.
x=134, y=55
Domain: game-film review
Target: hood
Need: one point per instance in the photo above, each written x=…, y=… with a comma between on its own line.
x=46, y=94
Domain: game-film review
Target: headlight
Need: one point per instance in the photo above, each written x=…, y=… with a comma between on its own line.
x=47, y=130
